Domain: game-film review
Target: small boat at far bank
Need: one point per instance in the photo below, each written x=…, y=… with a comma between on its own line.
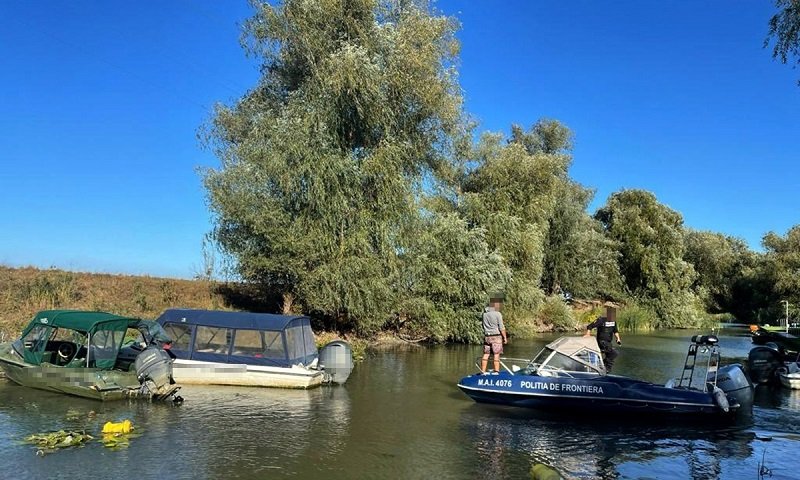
x=569, y=374
x=790, y=377
x=252, y=349
x=785, y=340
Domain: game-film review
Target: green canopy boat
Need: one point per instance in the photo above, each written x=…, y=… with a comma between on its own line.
x=86, y=354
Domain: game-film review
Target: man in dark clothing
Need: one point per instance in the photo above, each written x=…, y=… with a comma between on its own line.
x=606, y=331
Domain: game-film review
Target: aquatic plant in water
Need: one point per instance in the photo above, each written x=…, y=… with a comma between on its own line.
x=52, y=441
x=115, y=436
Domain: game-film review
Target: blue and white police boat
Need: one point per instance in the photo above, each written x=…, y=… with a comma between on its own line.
x=569, y=374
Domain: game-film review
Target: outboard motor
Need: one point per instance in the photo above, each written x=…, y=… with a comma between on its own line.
x=154, y=370
x=764, y=362
x=732, y=380
x=336, y=360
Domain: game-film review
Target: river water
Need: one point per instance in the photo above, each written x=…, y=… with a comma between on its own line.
x=401, y=416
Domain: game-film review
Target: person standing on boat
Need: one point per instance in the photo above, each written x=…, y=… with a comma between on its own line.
x=494, y=334
x=606, y=331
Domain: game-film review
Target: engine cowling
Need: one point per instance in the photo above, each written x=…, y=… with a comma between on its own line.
x=336, y=359
x=763, y=362
x=154, y=371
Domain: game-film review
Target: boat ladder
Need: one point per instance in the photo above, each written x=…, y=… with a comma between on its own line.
x=701, y=344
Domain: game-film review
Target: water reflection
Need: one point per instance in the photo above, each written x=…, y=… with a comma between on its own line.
x=269, y=430
x=601, y=449
x=220, y=432
x=400, y=415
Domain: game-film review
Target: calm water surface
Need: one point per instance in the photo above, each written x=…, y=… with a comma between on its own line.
x=401, y=416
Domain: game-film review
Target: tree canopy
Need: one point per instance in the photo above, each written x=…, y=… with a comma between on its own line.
x=325, y=161
x=784, y=29
x=650, y=237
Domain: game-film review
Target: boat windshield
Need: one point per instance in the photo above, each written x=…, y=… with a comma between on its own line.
x=583, y=361
x=33, y=344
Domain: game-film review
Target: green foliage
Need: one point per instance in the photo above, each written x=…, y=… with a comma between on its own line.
x=720, y=262
x=555, y=312
x=784, y=28
x=349, y=188
x=356, y=119
x=511, y=193
x=52, y=441
x=650, y=239
x=634, y=318
x=579, y=258
x=446, y=273
x=585, y=317
x=781, y=267
x=546, y=136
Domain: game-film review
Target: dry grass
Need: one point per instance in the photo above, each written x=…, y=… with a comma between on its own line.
x=25, y=291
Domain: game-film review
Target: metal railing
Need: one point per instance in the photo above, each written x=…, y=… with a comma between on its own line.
x=503, y=360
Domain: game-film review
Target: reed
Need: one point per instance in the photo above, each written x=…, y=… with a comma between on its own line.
x=634, y=318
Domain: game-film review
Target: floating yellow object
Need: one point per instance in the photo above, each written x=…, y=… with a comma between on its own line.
x=124, y=426
x=541, y=471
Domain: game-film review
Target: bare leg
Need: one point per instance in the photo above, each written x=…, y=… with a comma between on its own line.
x=496, y=362
x=484, y=361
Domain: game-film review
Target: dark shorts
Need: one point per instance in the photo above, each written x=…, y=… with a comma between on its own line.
x=493, y=344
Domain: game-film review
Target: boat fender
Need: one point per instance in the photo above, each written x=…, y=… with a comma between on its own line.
x=721, y=399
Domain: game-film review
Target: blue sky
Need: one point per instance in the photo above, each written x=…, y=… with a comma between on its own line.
x=100, y=108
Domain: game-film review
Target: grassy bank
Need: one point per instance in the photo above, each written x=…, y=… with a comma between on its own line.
x=25, y=291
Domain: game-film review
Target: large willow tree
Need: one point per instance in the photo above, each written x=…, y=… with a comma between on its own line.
x=650, y=236
x=511, y=192
x=324, y=161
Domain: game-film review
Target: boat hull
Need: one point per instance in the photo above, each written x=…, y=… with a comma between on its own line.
x=608, y=393
x=89, y=383
x=790, y=375
x=209, y=373
x=787, y=341
x=790, y=380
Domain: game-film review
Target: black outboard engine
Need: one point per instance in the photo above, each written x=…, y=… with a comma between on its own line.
x=336, y=360
x=764, y=362
x=705, y=339
x=154, y=370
